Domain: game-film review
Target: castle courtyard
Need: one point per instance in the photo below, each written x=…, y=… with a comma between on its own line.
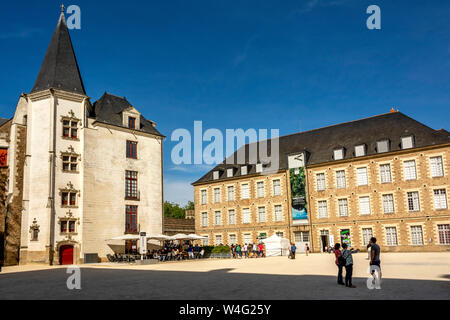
x=406, y=276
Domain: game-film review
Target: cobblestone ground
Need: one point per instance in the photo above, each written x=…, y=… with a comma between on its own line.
x=418, y=276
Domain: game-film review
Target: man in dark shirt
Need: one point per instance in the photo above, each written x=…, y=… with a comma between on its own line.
x=375, y=257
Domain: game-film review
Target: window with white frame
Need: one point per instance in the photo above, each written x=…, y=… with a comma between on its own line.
x=407, y=142
x=367, y=234
x=338, y=154
x=444, y=233
x=204, y=219
x=340, y=179
x=301, y=236
x=230, y=173
x=323, y=209
x=437, y=169
x=440, y=199
x=218, y=218
x=280, y=234
x=244, y=170
x=245, y=191
x=216, y=175
x=246, y=216
x=218, y=240
x=230, y=193
x=248, y=238
x=320, y=180
x=410, y=170
x=391, y=236
x=231, y=217
x=413, y=201
x=277, y=187
x=364, y=205
x=278, y=213
x=343, y=207
x=233, y=239
x=360, y=151
x=361, y=174
x=385, y=173
x=260, y=189
x=205, y=241
x=262, y=214
x=216, y=195
x=259, y=168
x=204, y=196
x=388, y=203
x=383, y=146
x=416, y=235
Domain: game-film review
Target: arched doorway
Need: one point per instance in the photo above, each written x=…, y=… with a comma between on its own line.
x=66, y=255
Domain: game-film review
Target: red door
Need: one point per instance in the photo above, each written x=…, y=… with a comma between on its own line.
x=66, y=255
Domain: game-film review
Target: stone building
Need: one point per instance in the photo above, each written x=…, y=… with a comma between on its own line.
x=79, y=173
x=386, y=176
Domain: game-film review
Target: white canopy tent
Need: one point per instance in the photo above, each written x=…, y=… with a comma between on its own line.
x=276, y=246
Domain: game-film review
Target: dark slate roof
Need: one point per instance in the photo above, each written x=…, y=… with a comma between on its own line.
x=108, y=109
x=319, y=144
x=3, y=121
x=59, y=69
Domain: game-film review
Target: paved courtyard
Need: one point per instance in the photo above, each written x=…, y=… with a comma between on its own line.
x=418, y=276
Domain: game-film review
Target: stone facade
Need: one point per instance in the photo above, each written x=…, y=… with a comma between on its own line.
x=327, y=230
x=175, y=226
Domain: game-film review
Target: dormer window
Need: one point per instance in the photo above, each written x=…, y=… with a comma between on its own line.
x=360, y=151
x=259, y=168
x=230, y=173
x=244, y=170
x=338, y=154
x=131, y=123
x=407, y=142
x=216, y=175
x=383, y=146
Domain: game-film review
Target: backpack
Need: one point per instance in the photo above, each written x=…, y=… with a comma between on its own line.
x=341, y=260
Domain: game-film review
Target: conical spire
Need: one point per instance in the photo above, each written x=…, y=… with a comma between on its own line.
x=60, y=68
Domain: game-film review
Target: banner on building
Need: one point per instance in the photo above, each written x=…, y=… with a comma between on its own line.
x=297, y=173
x=3, y=157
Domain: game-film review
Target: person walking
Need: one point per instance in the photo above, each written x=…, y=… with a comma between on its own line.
x=375, y=260
x=307, y=249
x=293, y=250
x=245, y=250
x=347, y=255
x=238, y=251
x=340, y=262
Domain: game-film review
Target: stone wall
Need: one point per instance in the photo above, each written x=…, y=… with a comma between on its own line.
x=174, y=226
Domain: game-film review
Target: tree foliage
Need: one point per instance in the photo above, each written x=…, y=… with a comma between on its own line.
x=175, y=211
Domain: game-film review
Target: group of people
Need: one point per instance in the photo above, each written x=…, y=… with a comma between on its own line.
x=172, y=251
x=248, y=250
x=293, y=250
x=344, y=259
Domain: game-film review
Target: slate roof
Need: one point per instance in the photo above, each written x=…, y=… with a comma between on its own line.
x=320, y=144
x=60, y=69
x=108, y=109
x=3, y=121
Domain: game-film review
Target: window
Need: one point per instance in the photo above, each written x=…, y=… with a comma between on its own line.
x=367, y=234
x=70, y=129
x=413, y=201
x=262, y=214
x=343, y=207
x=383, y=146
x=245, y=191
x=437, y=169
x=131, y=246
x=416, y=236
x=204, y=219
x=385, y=173
x=440, y=199
x=276, y=187
x=444, y=233
x=388, y=203
x=320, y=179
x=70, y=163
x=410, y=170
x=35, y=233
x=278, y=213
x=131, y=219
x=231, y=217
x=244, y=170
x=231, y=193
x=338, y=154
x=362, y=176
x=391, y=236
x=260, y=189
x=233, y=239
x=131, y=123
x=68, y=199
x=280, y=234
x=360, y=151
x=323, y=209
x=218, y=241
x=67, y=226
x=131, y=150
x=64, y=226
x=205, y=241
x=259, y=168
x=218, y=218
x=340, y=179
x=230, y=173
x=71, y=226
x=407, y=142
x=246, y=216
x=364, y=205
x=204, y=196
x=216, y=175
x=131, y=182
x=217, y=195
x=248, y=238
x=300, y=236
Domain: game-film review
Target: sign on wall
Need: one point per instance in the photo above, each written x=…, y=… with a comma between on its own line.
x=297, y=173
x=3, y=157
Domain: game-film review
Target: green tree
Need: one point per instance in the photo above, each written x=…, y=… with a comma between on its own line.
x=174, y=210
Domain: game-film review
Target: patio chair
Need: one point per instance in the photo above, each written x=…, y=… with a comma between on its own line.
x=110, y=258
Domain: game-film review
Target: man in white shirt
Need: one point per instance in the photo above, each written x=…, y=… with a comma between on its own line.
x=245, y=250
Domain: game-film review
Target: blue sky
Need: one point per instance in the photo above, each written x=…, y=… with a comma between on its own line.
x=288, y=65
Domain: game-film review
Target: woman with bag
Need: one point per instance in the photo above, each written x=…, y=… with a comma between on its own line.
x=340, y=262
